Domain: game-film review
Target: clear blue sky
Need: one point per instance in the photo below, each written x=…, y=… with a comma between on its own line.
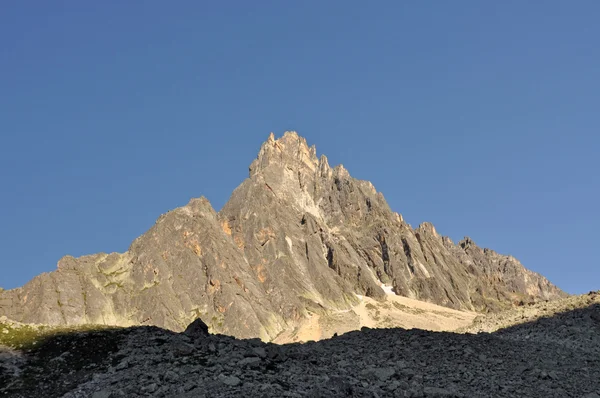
x=481, y=117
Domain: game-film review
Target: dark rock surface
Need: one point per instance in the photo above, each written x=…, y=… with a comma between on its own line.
x=526, y=360
x=575, y=322
x=296, y=236
x=196, y=329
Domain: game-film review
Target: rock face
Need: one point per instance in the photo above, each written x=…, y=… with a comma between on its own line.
x=297, y=236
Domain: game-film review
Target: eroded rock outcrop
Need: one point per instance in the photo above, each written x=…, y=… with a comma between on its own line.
x=296, y=236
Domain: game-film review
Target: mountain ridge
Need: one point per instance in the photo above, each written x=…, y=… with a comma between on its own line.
x=296, y=236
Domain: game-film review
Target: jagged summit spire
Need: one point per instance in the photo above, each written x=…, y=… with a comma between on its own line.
x=466, y=242
x=291, y=150
x=198, y=205
x=428, y=227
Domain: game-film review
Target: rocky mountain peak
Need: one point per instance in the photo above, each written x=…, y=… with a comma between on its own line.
x=324, y=168
x=297, y=237
x=290, y=151
x=466, y=243
x=427, y=227
x=200, y=205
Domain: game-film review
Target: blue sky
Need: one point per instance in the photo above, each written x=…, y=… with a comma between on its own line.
x=481, y=117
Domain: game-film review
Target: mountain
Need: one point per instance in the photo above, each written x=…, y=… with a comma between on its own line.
x=297, y=237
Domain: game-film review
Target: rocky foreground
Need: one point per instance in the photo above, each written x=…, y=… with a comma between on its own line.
x=558, y=356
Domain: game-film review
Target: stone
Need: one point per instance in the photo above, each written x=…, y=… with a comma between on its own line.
x=229, y=380
x=437, y=392
x=383, y=374
x=102, y=394
x=183, y=349
x=124, y=364
x=150, y=388
x=171, y=375
x=249, y=361
x=260, y=352
x=196, y=329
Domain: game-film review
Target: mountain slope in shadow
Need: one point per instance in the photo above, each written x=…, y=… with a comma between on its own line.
x=553, y=356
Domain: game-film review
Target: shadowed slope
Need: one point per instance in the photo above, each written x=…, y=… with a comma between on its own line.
x=531, y=359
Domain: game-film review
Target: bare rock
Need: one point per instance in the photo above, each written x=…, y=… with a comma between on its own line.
x=296, y=237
